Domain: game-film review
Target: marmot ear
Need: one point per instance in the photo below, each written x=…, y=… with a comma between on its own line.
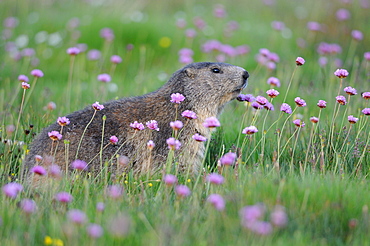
x=190, y=72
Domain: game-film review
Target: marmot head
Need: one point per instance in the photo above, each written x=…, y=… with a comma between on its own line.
x=207, y=83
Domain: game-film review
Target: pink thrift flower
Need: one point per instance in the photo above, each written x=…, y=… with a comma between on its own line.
x=211, y=122
x=273, y=57
x=54, y=171
x=269, y=106
x=199, y=138
x=313, y=26
x=278, y=25
x=176, y=125
x=272, y=93
x=137, y=126
x=23, y=78
x=367, y=56
x=189, y=114
x=182, y=191
x=113, y=139
x=246, y=98
x=341, y=73
x=190, y=33
x=114, y=191
x=299, y=123
x=251, y=214
x=261, y=100
x=343, y=14
x=97, y=106
x=256, y=105
x=173, y=143
x=278, y=216
x=366, y=95
x=262, y=228
x=76, y=216
x=228, y=159
x=300, y=61
x=37, y=73
x=219, y=11
x=300, y=102
x=55, y=135
x=94, y=230
x=153, y=125
x=150, y=144
x=11, y=22
x=107, y=34
x=250, y=130
x=366, y=111
x=38, y=158
x=64, y=197
x=104, y=77
x=352, y=119
x=314, y=119
x=215, y=178
x=79, y=165
x=217, y=201
x=321, y=104
x=100, y=206
x=286, y=108
x=350, y=90
x=39, y=170
x=181, y=23
x=28, y=206
x=185, y=59
x=357, y=35
x=11, y=190
x=51, y=106
x=341, y=100
x=273, y=81
x=63, y=121
x=25, y=85
x=115, y=59
x=93, y=55
x=177, y=98
x=170, y=179
x=323, y=61
x=73, y=51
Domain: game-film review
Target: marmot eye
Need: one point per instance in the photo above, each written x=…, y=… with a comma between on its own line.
x=216, y=70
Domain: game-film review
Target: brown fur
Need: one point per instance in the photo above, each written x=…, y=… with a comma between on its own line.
x=206, y=93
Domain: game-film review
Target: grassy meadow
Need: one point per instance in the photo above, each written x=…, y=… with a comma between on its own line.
x=297, y=180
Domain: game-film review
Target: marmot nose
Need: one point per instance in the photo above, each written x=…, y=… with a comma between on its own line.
x=245, y=75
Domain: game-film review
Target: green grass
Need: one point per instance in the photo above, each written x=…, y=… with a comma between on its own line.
x=319, y=173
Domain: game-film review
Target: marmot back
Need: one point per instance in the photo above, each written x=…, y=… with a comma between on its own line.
x=207, y=87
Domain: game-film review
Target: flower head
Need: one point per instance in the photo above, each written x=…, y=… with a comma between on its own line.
x=177, y=98
x=93, y=55
x=278, y=216
x=100, y=206
x=250, y=130
x=94, y=230
x=76, y=216
x=37, y=73
x=366, y=95
x=341, y=73
x=314, y=119
x=104, y=77
x=199, y=138
x=150, y=144
x=28, y=206
x=23, y=78
x=153, y=125
x=350, y=90
x=366, y=111
x=272, y=93
x=170, y=179
x=261, y=100
x=113, y=140
x=107, y=34
x=11, y=190
x=215, y=178
x=299, y=123
x=137, y=126
x=63, y=197
x=251, y=214
x=352, y=119
x=115, y=59
x=300, y=61
x=182, y=191
x=176, y=125
x=63, y=121
x=211, y=122
x=55, y=135
x=228, y=159
x=73, y=51
x=269, y=106
x=273, y=81
x=357, y=35
x=79, y=165
x=97, y=106
x=114, y=191
x=25, y=85
x=321, y=104
x=39, y=170
x=173, y=143
x=189, y=114
x=286, y=108
x=256, y=105
x=341, y=100
x=300, y=102
x=217, y=201
x=54, y=171
x=246, y=98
